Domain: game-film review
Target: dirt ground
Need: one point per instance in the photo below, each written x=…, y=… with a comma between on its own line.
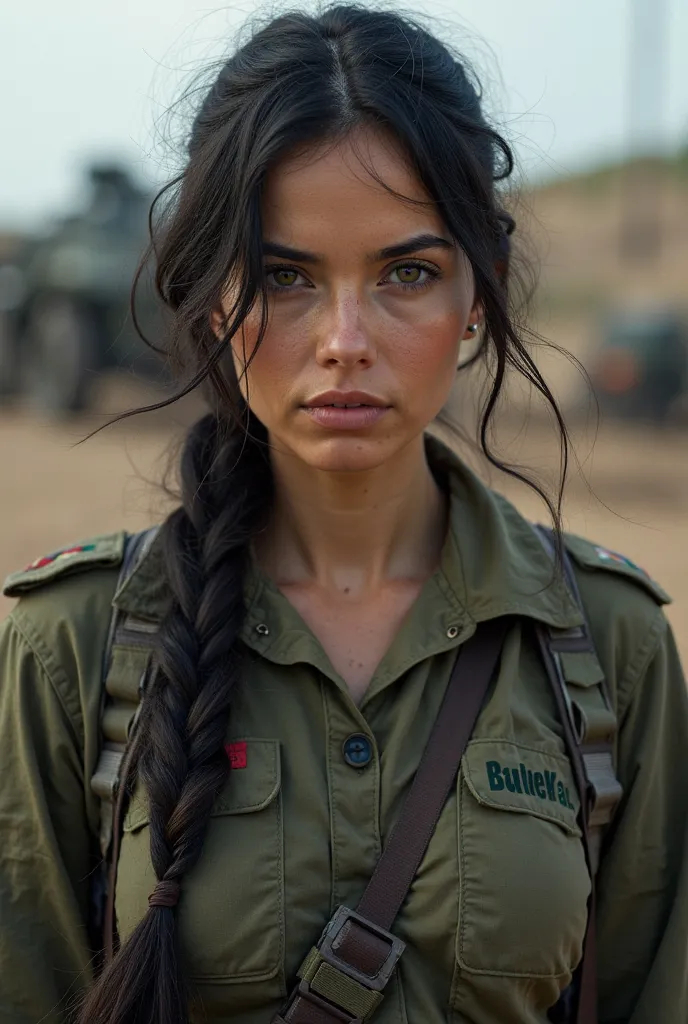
x=632, y=495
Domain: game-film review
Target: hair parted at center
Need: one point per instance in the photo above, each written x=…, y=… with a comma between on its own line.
x=300, y=80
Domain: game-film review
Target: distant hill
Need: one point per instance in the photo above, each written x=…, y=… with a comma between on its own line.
x=609, y=175
x=575, y=232
x=578, y=228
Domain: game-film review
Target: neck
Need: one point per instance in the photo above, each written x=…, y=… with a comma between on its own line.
x=354, y=532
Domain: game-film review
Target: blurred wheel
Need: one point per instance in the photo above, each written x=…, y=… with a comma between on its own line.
x=9, y=358
x=61, y=356
x=618, y=372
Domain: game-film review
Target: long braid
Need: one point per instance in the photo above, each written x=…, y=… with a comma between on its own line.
x=225, y=493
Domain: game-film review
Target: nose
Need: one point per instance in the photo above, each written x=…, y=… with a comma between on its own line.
x=345, y=339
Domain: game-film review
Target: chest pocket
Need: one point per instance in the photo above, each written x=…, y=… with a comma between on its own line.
x=524, y=882
x=231, y=910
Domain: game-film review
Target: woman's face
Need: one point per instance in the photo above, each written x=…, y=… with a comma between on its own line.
x=369, y=301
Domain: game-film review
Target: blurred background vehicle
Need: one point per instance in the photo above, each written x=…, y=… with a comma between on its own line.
x=65, y=295
x=639, y=364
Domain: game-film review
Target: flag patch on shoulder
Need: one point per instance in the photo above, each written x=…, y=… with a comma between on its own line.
x=613, y=556
x=57, y=556
x=589, y=555
x=105, y=550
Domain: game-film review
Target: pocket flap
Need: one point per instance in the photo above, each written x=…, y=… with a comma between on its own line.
x=253, y=783
x=511, y=777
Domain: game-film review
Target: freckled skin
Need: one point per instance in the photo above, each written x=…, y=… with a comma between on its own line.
x=347, y=323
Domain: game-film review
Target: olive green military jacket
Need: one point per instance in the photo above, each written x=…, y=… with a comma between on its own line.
x=495, y=918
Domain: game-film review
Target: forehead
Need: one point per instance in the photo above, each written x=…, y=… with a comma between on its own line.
x=328, y=193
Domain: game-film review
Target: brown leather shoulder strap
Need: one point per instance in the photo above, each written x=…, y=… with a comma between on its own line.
x=407, y=843
x=343, y=977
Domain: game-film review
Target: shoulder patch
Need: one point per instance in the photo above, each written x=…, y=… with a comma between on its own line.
x=98, y=551
x=595, y=556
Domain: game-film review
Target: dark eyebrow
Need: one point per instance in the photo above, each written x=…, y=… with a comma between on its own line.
x=390, y=252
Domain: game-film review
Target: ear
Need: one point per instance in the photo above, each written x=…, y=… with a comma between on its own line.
x=216, y=324
x=475, y=317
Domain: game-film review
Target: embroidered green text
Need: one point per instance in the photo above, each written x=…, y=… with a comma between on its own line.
x=544, y=785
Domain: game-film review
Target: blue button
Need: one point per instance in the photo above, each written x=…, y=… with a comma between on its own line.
x=358, y=750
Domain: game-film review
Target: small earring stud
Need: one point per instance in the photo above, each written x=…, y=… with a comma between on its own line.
x=472, y=328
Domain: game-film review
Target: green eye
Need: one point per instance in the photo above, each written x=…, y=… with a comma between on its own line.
x=283, y=278
x=409, y=275
x=413, y=277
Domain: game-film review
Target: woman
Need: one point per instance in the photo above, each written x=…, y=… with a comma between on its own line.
x=334, y=239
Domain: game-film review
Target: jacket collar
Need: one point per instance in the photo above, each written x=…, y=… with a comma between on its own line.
x=493, y=559
x=492, y=564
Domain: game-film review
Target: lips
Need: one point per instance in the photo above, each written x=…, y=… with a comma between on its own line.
x=346, y=417
x=345, y=400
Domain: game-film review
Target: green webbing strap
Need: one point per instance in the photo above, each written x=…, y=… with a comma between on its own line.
x=133, y=639
x=340, y=989
x=589, y=735
x=577, y=676
x=118, y=711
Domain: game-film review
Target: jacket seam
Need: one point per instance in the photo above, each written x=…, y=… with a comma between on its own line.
x=42, y=655
x=634, y=672
x=628, y=680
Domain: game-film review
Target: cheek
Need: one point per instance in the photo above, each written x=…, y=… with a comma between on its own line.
x=273, y=363
x=429, y=329
x=428, y=355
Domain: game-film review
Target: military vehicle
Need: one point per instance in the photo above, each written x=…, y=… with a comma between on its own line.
x=64, y=299
x=640, y=367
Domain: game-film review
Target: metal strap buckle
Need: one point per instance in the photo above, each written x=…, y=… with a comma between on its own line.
x=327, y=947
x=329, y=983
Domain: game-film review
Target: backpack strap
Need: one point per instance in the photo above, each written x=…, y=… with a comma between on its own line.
x=126, y=657
x=124, y=671
x=578, y=681
x=590, y=726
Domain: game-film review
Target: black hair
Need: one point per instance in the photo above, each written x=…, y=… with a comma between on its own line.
x=298, y=81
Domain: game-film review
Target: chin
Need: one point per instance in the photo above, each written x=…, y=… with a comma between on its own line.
x=348, y=454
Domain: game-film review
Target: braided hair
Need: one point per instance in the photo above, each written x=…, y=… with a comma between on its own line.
x=297, y=81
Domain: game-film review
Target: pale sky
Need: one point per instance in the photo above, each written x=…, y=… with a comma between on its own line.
x=83, y=78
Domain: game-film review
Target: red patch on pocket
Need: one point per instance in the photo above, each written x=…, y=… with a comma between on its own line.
x=236, y=752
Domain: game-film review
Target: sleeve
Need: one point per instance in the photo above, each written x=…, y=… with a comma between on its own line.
x=47, y=850
x=643, y=880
